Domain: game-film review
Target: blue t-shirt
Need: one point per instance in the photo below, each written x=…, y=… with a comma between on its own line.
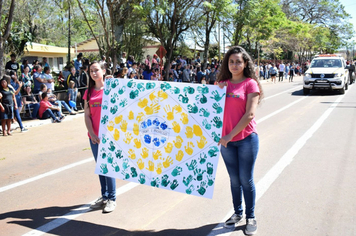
x=17, y=96
x=77, y=65
x=147, y=75
x=37, y=84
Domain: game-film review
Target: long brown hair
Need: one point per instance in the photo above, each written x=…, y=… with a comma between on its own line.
x=249, y=70
x=91, y=83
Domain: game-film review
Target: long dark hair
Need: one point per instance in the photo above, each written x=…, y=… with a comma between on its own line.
x=91, y=81
x=249, y=70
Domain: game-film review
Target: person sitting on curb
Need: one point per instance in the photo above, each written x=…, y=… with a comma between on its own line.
x=48, y=110
x=52, y=98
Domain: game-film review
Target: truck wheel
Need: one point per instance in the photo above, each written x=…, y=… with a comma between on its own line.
x=346, y=86
x=342, y=91
x=306, y=91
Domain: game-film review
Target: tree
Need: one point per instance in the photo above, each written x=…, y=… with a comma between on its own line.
x=168, y=20
x=5, y=27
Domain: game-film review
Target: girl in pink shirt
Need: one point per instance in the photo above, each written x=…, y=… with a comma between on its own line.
x=239, y=142
x=92, y=111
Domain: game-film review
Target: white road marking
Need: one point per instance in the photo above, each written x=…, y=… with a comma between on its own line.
x=26, y=181
x=263, y=185
x=277, y=94
x=74, y=214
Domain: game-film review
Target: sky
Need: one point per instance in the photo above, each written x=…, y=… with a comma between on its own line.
x=350, y=7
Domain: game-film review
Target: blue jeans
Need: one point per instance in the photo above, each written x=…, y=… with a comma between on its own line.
x=35, y=107
x=73, y=94
x=108, y=184
x=18, y=118
x=62, y=103
x=49, y=113
x=239, y=158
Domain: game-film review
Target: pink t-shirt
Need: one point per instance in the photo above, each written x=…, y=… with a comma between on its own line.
x=43, y=107
x=235, y=107
x=95, y=108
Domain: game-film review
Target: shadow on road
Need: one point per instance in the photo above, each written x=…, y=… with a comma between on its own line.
x=34, y=218
x=316, y=93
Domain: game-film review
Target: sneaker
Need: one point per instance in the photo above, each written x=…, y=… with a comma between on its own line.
x=110, y=206
x=24, y=130
x=99, y=203
x=62, y=118
x=232, y=221
x=251, y=226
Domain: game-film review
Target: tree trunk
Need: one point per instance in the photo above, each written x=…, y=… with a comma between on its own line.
x=2, y=67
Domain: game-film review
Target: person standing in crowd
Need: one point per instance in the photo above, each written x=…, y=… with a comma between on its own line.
x=103, y=60
x=73, y=85
x=39, y=79
x=78, y=63
x=291, y=72
x=273, y=72
x=16, y=87
x=240, y=142
x=199, y=74
x=212, y=76
x=123, y=58
x=83, y=82
x=351, y=72
x=92, y=111
x=286, y=71
x=47, y=75
x=281, y=72
x=26, y=76
x=8, y=103
x=24, y=65
x=12, y=64
x=44, y=63
x=148, y=61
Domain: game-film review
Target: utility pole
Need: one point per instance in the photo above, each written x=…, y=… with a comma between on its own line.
x=219, y=40
x=68, y=57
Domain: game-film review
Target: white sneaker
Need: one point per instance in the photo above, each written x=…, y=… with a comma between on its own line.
x=99, y=203
x=110, y=206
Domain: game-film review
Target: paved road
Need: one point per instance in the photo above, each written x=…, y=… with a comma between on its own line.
x=305, y=175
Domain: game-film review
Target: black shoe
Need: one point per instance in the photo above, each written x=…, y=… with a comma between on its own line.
x=251, y=226
x=232, y=221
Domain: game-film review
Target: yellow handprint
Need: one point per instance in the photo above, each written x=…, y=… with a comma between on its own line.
x=136, y=129
x=188, y=148
x=142, y=103
x=152, y=96
x=118, y=119
x=144, y=153
x=140, y=117
x=179, y=155
x=168, y=148
x=140, y=164
x=178, y=142
x=176, y=127
x=184, y=118
x=162, y=95
x=169, y=111
x=189, y=132
x=116, y=135
x=151, y=166
x=167, y=162
x=197, y=130
x=128, y=138
x=177, y=108
x=137, y=143
x=123, y=126
x=202, y=142
x=132, y=154
x=111, y=126
x=153, y=108
x=131, y=115
x=159, y=168
x=157, y=154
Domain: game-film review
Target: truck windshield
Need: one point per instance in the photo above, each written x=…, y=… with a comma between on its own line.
x=325, y=63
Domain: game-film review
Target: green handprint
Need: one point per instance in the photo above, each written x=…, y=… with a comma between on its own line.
x=131, y=84
x=175, y=90
x=186, y=181
x=218, y=108
x=209, y=168
x=177, y=171
x=107, y=91
x=165, y=181
x=125, y=164
x=202, y=158
x=190, y=189
x=216, y=137
x=133, y=172
x=110, y=158
x=113, y=98
x=105, y=106
x=165, y=86
x=174, y=184
x=216, y=96
x=126, y=175
x=192, y=109
x=206, y=124
x=217, y=122
x=150, y=85
x=116, y=167
x=112, y=146
x=155, y=182
x=108, y=83
x=192, y=166
x=134, y=94
x=104, y=120
x=123, y=103
x=204, y=112
x=118, y=154
x=141, y=87
x=210, y=181
x=115, y=83
x=203, y=99
x=142, y=179
x=113, y=109
x=213, y=151
x=189, y=90
x=122, y=90
x=103, y=155
x=183, y=98
x=104, y=139
x=199, y=173
x=202, y=188
x=203, y=90
x=104, y=169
